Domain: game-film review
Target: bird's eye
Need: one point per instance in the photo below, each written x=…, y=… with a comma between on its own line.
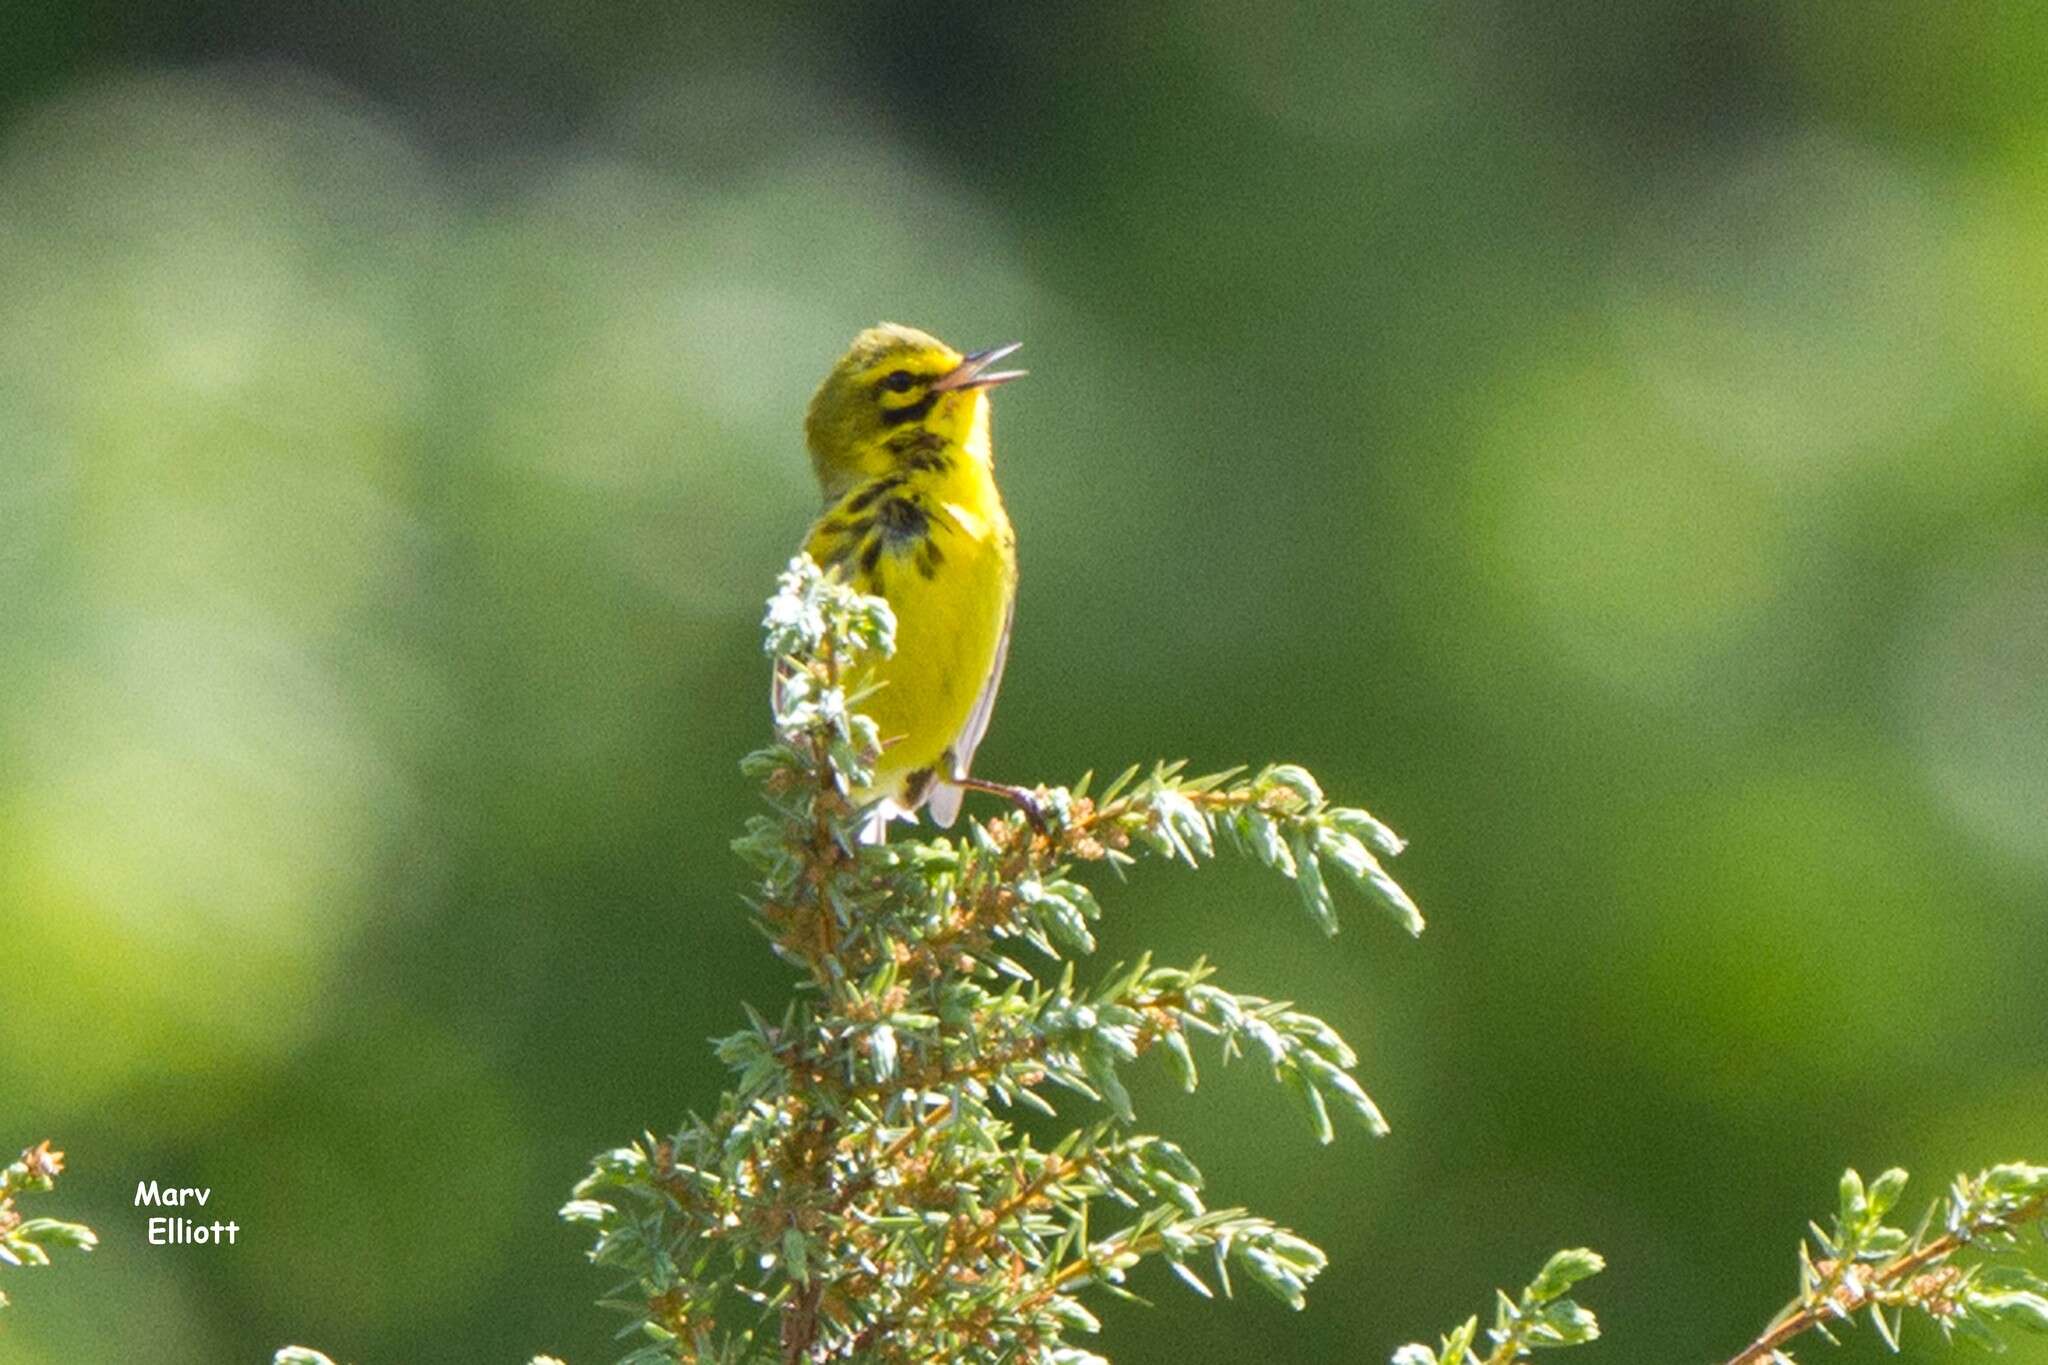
x=898, y=381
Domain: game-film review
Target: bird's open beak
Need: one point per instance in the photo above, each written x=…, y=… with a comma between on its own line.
x=973, y=372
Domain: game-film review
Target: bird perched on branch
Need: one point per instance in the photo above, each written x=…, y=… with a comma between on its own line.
x=899, y=438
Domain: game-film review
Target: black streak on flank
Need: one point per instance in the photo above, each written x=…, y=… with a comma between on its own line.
x=901, y=519
x=871, y=556
x=913, y=412
x=872, y=491
x=929, y=558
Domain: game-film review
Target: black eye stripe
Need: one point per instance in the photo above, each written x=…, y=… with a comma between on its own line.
x=898, y=381
x=909, y=412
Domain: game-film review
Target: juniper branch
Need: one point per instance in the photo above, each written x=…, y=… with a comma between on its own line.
x=860, y=1191
x=1865, y=1265
x=1862, y=1265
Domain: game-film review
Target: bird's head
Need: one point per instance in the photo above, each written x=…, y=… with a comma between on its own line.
x=894, y=385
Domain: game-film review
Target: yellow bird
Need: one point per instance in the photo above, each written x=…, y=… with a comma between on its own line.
x=899, y=438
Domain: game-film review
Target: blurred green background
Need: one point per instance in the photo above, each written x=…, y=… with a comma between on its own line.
x=1606, y=440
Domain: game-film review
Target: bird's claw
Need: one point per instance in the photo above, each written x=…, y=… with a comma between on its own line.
x=1033, y=812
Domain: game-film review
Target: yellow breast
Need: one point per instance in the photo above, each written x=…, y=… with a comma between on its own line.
x=936, y=544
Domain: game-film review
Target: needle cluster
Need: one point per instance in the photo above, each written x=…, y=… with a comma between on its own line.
x=1540, y=1316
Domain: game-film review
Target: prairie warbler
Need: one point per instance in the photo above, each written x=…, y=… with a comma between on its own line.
x=899, y=439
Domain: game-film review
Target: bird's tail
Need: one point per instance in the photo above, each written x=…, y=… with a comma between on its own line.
x=944, y=803
x=874, y=824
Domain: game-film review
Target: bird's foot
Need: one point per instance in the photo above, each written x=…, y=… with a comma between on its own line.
x=1020, y=797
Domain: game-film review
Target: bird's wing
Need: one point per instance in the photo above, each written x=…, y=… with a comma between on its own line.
x=945, y=797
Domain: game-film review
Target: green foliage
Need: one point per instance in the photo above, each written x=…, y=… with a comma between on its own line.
x=28, y=1241
x=1948, y=1268
x=862, y=1191
x=306, y=1355
x=1540, y=1317
x=1862, y=1264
